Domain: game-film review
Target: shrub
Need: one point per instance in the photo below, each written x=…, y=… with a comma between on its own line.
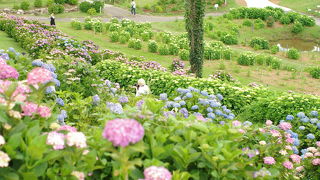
x=145, y=36
x=124, y=37
x=98, y=5
x=274, y=49
x=72, y=2
x=315, y=72
x=293, y=53
x=152, y=46
x=297, y=28
x=223, y=76
x=114, y=27
x=163, y=49
x=114, y=36
x=306, y=21
x=263, y=43
x=247, y=22
x=38, y=3
x=16, y=7
x=285, y=20
x=25, y=5
x=92, y=11
x=56, y=9
x=77, y=25
x=59, y=1
x=173, y=49
x=258, y=24
x=229, y=39
x=246, y=59
x=138, y=44
x=184, y=54
x=270, y=21
x=50, y=2
x=157, y=9
x=85, y=6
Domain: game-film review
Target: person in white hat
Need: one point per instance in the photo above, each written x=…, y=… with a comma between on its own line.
x=142, y=88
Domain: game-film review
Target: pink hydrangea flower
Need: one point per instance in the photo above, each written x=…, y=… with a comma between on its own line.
x=2, y=61
x=4, y=159
x=288, y=164
x=67, y=128
x=236, y=123
x=312, y=149
x=44, y=111
x=269, y=160
x=318, y=143
x=242, y=131
x=285, y=126
x=299, y=169
x=268, y=123
x=308, y=154
x=77, y=139
x=316, y=162
x=29, y=108
x=4, y=85
x=39, y=75
x=290, y=140
x=275, y=133
x=157, y=173
x=7, y=72
x=295, y=158
x=56, y=140
x=2, y=141
x=121, y=132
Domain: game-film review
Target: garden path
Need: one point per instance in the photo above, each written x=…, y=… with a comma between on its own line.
x=118, y=12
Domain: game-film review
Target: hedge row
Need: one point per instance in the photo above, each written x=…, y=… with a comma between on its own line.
x=236, y=96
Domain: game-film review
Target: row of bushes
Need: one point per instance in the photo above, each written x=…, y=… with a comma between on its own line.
x=89, y=7
x=276, y=13
x=251, y=59
x=236, y=96
x=25, y=5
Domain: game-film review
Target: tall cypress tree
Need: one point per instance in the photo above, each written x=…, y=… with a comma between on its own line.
x=195, y=11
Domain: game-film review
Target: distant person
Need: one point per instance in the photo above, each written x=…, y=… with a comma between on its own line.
x=52, y=20
x=142, y=88
x=133, y=7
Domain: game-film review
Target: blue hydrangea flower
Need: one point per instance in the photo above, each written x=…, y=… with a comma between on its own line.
x=189, y=95
x=303, y=151
x=195, y=107
x=169, y=113
x=313, y=120
x=54, y=75
x=182, y=103
x=177, y=98
x=301, y=115
x=64, y=113
x=169, y=104
x=222, y=122
x=51, y=68
x=115, y=108
x=314, y=113
x=60, y=119
x=108, y=83
x=5, y=56
x=230, y=117
x=211, y=96
x=209, y=109
x=289, y=118
x=294, y=135
x=204, y=93
x=123, y=99
x=211, y=115
x=310, y=136
x=191, y=88
x=231, y=114
x=176, y=105
x=296, y=142
x=50, y=90
x=214, y=104
x=60, y=101
x=140, y=103
x=305, y=119
x=220, y=97
x=37, y=63
x=11, y=49
x=295, y=150
x=184, y=112
x=163, y=96
x=281, y=121
x=113, y=90
x=318, y=125
x=227, y=111
x=96, y=99
x=247, y=123
x=218, y=112
x=196, y=90
x=302, y=128
x=57, y=82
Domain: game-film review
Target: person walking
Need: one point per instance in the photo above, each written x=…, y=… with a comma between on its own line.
x=52, y=20
x=133, y=7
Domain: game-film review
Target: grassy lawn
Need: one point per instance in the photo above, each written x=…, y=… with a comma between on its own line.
x=302, y=6
x=7, y=42
x=11, y=3
x=279, y=80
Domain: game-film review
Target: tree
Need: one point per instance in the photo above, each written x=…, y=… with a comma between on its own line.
x=194, y=15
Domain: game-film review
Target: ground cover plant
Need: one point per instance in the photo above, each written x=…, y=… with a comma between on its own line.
x=190, y=131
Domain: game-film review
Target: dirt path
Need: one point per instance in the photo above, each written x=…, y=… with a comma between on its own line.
x=122, y=13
